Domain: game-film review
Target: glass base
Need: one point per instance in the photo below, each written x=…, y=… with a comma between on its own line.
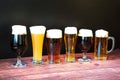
x=70, y=61
x=37, y=62
x=51, y=62
x=84, y=59
x=18, y=65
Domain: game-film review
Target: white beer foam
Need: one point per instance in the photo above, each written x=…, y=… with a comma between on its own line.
x=85, y=33
x=37, y=29
x=70, y=30
x=101, y=33
x=54, y=33
x=19, y=29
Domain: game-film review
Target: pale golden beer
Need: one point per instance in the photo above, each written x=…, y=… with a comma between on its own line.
x=53, y=45
x=37, y=35
x=70, y=37
x=101, y=44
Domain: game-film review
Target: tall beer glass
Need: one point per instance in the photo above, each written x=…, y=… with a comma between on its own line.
x=101, y=44
x=53, y=45
x=37, y=35
x=85, y=41
x=19, y=43
x=70, y=37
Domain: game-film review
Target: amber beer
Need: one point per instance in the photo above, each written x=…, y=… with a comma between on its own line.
x=70, y=37
x=101, y=44
x=53, y=45
x=37, y=35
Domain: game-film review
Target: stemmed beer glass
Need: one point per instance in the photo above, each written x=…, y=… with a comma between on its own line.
x=85, y=40
x=19, y=43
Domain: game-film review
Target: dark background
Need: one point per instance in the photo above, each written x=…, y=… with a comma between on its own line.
x=92, y=14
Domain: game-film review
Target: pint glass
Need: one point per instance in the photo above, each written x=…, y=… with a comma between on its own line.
x=53, y=45
x=70, y=37
x=37, y=35
x=101, y=44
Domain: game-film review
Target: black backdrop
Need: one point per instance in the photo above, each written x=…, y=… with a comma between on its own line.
x=92, y=14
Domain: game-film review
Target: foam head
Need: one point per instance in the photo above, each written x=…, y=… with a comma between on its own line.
x=101, y=33
x=85, y=33
x=19, y=29
x=54, y=33
x=37, y=29
x=70, y=30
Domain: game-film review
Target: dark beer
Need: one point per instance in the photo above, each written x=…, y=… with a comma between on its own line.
x=19, y=42
x=85, y=43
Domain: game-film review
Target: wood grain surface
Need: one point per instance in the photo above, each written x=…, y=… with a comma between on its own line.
x=94, y=70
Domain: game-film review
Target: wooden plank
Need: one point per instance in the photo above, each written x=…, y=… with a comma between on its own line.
x=94, y=70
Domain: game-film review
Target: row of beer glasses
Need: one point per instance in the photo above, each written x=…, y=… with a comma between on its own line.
x=54, y=43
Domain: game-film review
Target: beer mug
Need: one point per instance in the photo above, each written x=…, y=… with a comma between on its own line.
x=37, y=35
x=101, y=44
x=53, y=45
x=70, y=37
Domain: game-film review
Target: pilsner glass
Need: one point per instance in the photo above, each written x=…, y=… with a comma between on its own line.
x=101, y=44
x=37, y=35
x=70, y=36
x=19, y=43
x=53, y=45
x=85, y=41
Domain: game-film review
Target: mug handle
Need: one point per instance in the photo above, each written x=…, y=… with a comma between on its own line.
x=113, y=43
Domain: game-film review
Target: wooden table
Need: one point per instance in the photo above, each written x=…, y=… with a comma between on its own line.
x=94, y=70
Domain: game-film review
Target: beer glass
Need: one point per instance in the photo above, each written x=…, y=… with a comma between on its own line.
x=19, y=43
x=70, y=37
x=85, y=41
x=101, y=44
x=37, y=35
x=53, y=45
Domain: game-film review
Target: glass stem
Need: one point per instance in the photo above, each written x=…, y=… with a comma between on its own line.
x=18, y=59
x=84, y=55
